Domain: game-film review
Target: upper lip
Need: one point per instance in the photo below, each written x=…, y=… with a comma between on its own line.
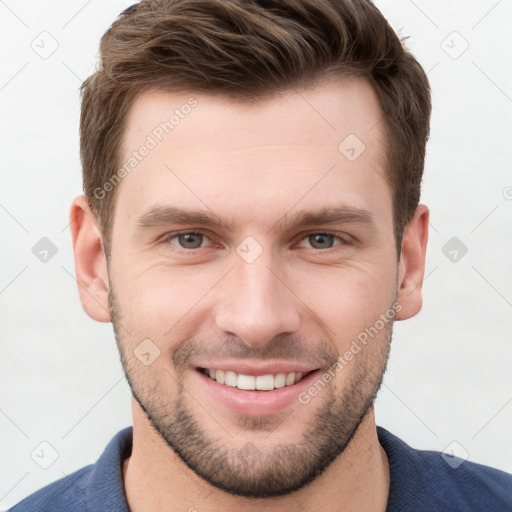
x=246, y=368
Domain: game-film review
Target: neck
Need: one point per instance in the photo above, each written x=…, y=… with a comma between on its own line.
x=155, y=478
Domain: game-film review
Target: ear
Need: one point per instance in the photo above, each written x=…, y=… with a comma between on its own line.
x=90, y=260
x=411, y=267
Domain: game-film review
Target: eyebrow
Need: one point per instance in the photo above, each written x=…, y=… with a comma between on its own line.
x=165, y=215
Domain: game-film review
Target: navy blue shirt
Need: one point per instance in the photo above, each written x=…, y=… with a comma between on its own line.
x=421, y=481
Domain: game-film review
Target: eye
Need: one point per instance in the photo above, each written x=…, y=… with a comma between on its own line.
x=321, y=241
x=187, y=240
x=194, y=240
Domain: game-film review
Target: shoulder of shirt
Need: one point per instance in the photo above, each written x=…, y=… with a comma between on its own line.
x=430, y=480
x=421, y=480
x=65, y=494
x=76, y=491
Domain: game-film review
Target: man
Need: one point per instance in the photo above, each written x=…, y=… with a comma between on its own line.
x=251, y=226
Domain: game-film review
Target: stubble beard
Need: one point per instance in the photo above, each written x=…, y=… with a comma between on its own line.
x=248, y=470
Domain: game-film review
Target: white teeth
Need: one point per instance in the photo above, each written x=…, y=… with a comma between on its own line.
x=265, y=382
x=230, y=379
x=250, y=382
x=221, y=375
x=246, y=382
x=280, y=380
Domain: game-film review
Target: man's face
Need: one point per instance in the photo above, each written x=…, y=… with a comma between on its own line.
x=261, y=296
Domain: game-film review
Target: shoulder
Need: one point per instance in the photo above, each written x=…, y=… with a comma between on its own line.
x=95, y=487
x=427, y=480
x=66, y=494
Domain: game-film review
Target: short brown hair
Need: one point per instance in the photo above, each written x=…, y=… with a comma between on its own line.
x=247, y=50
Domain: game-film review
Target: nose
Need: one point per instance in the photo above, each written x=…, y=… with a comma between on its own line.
x=257, y=303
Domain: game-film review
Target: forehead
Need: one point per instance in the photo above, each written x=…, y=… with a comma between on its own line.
x=321, y=146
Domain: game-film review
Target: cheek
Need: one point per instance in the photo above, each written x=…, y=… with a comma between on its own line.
x=348, y=299
x=162, y=305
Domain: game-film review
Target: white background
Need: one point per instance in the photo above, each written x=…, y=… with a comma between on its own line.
x=449, y=377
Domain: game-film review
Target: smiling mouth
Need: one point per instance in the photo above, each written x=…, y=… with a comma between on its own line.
x=254, y=382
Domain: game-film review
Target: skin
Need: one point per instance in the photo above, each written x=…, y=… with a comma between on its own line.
x=254, y=165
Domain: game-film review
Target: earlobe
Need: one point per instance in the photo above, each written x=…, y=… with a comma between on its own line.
x=411, y=267
x=90, y=261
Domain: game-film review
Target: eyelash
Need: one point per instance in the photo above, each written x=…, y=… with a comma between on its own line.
x=342, y=239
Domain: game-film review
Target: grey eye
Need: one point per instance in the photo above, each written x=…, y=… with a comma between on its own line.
x=190, y=240
x=324, y=241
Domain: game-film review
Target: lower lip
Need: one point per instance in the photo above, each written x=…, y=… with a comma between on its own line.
x=255, y=403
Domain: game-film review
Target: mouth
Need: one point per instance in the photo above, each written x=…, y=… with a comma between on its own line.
x=267, y=382
x=253, y=390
